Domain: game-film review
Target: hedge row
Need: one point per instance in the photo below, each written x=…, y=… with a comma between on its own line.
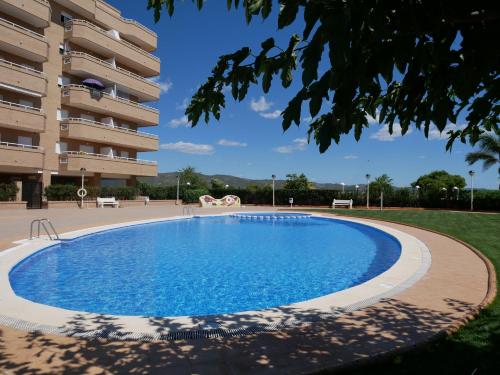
x=69, y=192
x=8, y=191
x=483, y=199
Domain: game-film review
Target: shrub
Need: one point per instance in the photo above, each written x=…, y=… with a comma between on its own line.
x=69, y=192
x=8, y=191
x=193, y=195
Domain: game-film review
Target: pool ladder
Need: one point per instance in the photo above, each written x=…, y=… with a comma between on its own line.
x=41, y=223
x=187, y=210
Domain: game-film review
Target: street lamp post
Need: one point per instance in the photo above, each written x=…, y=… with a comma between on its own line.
x=471, y=174
x=274, y=179
x=178, y=185
x=82, y=192
x=343, y=187
x=457, y=190
x=367, y=190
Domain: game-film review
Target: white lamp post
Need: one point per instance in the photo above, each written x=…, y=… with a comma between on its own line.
x=471, y=174
x=457, y=190
x=445, y=192
x=274, y=179
x=367, y=190
x=178, y=183
x=83, y=192
x=343, y=187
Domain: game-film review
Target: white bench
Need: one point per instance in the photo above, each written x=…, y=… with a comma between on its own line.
x=342, y=203
x=101, y=202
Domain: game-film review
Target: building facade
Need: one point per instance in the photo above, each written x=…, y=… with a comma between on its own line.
x=74, y=77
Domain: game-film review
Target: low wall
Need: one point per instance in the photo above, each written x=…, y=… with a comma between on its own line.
x=13, y=205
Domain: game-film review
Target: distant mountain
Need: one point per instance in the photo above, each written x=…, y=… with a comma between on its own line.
x=170, y=178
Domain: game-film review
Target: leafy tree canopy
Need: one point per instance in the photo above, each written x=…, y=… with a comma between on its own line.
x=435, y=181
x=421, y=62
x=297, y=182
x=217, y=184
x=381, y=184
x=189, y=177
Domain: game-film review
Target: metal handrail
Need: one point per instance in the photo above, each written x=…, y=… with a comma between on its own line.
x=2, y=61
x=68, y=25
x=20, y=145
x=15, y=25
x=17, y=105
x=128, y=101
x=41, y=223
x=99, y=61
x=79, y=119
x=102, y=156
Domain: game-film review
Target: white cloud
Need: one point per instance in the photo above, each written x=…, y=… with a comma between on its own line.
x=189, y=148
x=351, y=157
x=165, y=85
x=180, y=121
x=271, y=115
x=299, y=144
x=183, y=105
x=228, y=143
x=383, y=133
x=436, y=135
x=260, y=105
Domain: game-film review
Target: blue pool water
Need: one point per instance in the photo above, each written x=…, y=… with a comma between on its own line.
x=206, y=265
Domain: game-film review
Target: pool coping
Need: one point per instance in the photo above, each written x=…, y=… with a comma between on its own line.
x=19, y=313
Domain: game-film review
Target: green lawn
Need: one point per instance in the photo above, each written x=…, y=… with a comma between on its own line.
x=474, y=349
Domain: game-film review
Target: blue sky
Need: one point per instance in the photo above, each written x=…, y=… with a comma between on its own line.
x=248, y=141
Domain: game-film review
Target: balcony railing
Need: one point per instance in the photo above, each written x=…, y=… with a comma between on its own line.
x=106, y=157
x=20, y=145
x=68, y=26
x=108, y=126
x=127, y=101
x=108, y=64
x=24, y=29
x=17, y=105
x=26, y=68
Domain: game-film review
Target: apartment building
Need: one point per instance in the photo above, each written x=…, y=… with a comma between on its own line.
x=74, y=77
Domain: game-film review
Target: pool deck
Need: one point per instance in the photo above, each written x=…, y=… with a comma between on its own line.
x=456, y=283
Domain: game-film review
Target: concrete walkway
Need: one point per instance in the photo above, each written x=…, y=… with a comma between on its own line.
x=456, y=283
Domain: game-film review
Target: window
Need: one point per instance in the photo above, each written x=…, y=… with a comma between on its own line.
x=61, y=147
x=63, y=81
x=62, y=49
x=62, y=114
x=86, y=148
x=65, y=17
x=87, y=117
x=124, y=154
x=26, y=103
x=27, y=141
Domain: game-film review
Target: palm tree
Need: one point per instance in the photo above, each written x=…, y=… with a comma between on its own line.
x=489, y=151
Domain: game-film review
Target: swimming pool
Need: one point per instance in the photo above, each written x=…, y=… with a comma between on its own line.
x=204, y=265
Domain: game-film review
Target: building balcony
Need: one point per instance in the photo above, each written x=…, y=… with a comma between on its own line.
x=92, y=131
x=139, y=34
x=14, y=77
x=21, y=117
x=23, y=42
x=85, y=65
x=106, y=43
x=34, y=12
x=84, y=7
x=14, y=156
x=99, y=102
x=73, y=161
